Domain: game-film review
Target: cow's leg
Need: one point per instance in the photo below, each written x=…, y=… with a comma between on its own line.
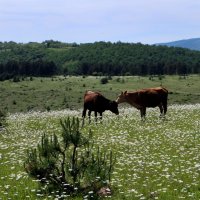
x=95, y=114
x=161, y=109
x=100, y=115
x=165, y=106
x=83, y=115
x=89, y=115
x=143, y=113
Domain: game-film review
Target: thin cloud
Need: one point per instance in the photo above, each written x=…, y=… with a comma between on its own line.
x=109, y=20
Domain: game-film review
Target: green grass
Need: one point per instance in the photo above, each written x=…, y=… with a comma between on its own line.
x=156, y=159
x=59, y=93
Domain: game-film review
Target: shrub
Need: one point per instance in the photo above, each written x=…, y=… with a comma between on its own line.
x=69, y=165
x=104, y=80
x=151, y=78
x=16, y=79
x=14, y=102
x=48, y=108
x=118, y=79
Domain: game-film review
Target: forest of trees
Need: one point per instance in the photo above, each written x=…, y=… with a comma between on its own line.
x=100, y=58
x=27, y=68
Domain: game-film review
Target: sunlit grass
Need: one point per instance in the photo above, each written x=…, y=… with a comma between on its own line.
x=156, y=159
x=58, y=93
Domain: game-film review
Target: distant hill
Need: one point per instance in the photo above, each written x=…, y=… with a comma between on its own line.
x=100, y=58
x=193, y=44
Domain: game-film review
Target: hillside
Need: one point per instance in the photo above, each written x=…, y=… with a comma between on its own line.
x=100, y=58
x=193, y=44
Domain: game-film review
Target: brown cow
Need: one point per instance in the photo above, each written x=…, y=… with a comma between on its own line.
x=94, y=101
x=141, y=99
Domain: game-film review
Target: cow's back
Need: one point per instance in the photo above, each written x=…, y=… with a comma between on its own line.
x=152, y=97
x=94, y=101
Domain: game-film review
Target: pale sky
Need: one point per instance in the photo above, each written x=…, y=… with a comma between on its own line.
x=82, y=21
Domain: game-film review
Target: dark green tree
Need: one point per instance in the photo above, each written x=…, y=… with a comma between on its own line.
x=69, y=164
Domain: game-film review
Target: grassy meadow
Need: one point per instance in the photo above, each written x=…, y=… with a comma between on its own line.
x=156, y=159
x=59, y=93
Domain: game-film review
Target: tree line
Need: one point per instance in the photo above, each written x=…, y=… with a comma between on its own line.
x=99, y=58
x=14, y=68
x=134, y=59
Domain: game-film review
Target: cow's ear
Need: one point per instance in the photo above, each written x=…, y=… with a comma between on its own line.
x=125, y=92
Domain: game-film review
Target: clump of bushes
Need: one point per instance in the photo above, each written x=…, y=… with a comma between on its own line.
x=104, y=80
x=70, y=165
x=120, y=80
x=16, y=79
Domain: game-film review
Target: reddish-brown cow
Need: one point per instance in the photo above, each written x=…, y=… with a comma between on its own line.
x=94, y=101
x=150, y=97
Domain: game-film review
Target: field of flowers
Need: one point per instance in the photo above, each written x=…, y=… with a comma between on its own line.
x=156, y=159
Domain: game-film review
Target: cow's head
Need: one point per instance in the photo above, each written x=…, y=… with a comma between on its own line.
x=114, y=107
x=121, y=98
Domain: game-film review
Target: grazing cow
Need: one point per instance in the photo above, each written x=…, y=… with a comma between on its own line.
x=141, y=99
x=94, y=101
